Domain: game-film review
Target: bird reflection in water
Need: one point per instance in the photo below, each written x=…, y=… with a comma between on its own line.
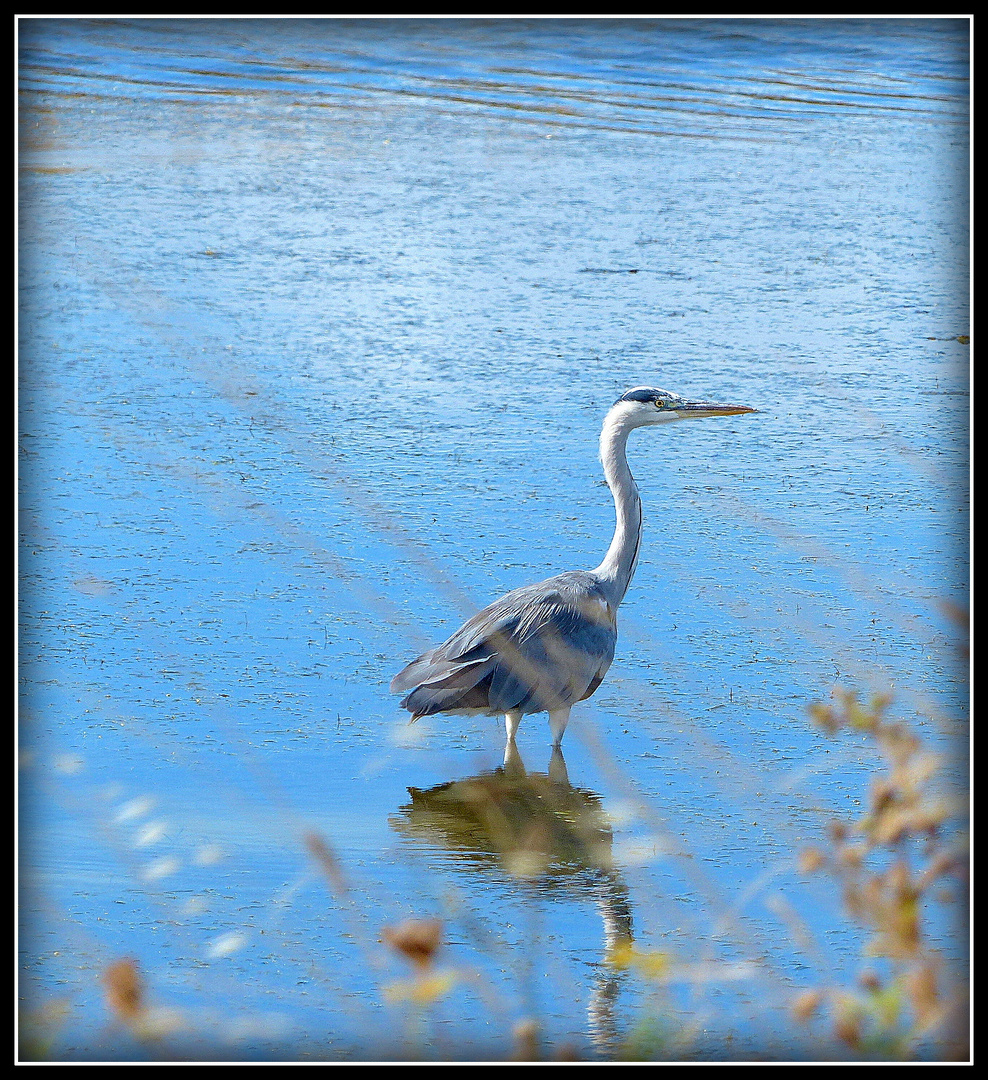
x=542, y=831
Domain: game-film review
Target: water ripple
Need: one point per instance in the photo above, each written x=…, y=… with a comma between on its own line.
x=722, y=79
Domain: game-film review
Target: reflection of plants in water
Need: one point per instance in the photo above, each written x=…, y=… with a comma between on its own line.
x=891, y=866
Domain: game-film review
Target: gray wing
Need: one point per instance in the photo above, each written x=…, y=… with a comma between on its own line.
x=538, y=648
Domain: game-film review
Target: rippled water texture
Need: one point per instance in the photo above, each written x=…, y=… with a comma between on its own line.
x=318, y=323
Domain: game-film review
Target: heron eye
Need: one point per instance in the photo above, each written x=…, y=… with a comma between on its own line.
x=659, y=404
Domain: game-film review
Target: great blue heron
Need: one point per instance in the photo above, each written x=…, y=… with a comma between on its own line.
x=542, y=648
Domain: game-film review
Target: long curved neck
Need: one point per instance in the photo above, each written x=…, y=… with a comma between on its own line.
x=618, y=567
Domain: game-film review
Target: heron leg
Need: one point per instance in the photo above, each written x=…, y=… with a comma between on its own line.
x=511, y=721
x=558, y=719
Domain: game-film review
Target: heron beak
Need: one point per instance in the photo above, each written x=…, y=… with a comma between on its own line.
x=699, y=409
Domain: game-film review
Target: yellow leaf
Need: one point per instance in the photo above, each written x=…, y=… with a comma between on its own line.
x=424, y=990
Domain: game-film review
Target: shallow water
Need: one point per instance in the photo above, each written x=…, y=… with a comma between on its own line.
x=318, y=323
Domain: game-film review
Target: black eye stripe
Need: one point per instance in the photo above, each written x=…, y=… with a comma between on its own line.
x=644, y=393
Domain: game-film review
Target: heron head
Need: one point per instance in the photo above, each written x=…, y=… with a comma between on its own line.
x=646, y=405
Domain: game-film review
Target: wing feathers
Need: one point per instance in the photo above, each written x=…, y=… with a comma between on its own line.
x=539, y=648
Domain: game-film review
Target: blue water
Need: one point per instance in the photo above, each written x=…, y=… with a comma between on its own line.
x=318, y=323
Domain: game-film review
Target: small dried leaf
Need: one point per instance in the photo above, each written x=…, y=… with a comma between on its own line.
x=811, y=860
x=526, y=1035
x=424, y=989
x=417, y=940
x=651, y=964
x=124, y=989
x=847, y=1025
x=924, y=993
x=327, y=860
x=806, y=1005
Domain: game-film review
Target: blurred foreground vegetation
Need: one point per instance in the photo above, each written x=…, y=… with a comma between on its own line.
x=907, y=852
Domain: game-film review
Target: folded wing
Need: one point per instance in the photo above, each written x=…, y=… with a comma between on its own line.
x=539, y=648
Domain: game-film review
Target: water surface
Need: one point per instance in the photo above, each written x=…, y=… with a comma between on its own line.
x=318, y=323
